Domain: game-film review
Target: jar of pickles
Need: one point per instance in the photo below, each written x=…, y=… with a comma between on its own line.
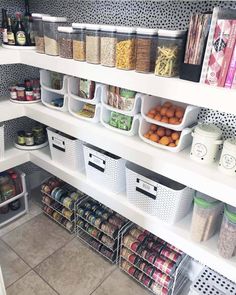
x=79, y=42
x=50, y=25
x=65, y=42
x=146, y=43
x=93, y=44
x=38, y=31
x=170, y=50
x=125, y=48
x=108, y=46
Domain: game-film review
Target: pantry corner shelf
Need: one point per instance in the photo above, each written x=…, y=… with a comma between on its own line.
x=10, y=110
x=13, y=157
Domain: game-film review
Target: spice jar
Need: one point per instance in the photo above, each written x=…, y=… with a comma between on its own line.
x=227, y=162
x=108, y=46
x=65, y=42
x=79, y=42
x=227, y=238
x=206, y=217
x=21, y=137
x=39, y=135
x=93, y=44
x=38, y=31
x=50, y=25
x=13, y=92
x=29, y=139
x=125, y=48
x=146, y=43
x=169, y=52
x=20, y=90
x=206, y=141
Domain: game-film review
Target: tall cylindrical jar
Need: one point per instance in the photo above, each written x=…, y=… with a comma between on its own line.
x=65, y=41
x=38, y=31
x=146, y=44
x=125, y=48
x=50, y=25
x=93, y=44
x=227, y=237
x=227, y=162
x=108, y=46
x=79, y=42
x=170, y=50
x=206, y=141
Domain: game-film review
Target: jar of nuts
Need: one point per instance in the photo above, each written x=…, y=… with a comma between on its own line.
x=146, y=43
x=79, y=42
x=93, y=44
x=65, y=41
x=38, y=31
x=108, y=46
x=125, y=48
x=227, y=238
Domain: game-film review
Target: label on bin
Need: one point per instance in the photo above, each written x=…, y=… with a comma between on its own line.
x=58, y=144
x=146, y=188
x=97, y=162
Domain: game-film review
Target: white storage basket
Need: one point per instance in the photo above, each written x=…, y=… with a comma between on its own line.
x=45, y=81
x=2, y=143
x=66, y=150
x=104, y=168
x=157, y=195
x=48, y=96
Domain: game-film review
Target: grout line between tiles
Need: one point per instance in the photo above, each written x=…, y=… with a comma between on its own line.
x=46, y=282
x=19, y=278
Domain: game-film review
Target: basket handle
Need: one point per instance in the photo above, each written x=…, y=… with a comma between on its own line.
x=58, y=144
x=146, y=189
x=97, y=163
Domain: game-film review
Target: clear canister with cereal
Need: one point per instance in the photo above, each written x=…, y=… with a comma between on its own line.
x=93, y=43
x=170, y=50
x=108, y=45
x=38, y=31
x=79, y=42
x=65, y=41
x=125, y=48
x=146, y=44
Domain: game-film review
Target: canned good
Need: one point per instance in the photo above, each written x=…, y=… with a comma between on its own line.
x=87, y=205
x=149, y=269
x=125, y=265
x=132, y=271
x=68, y=203
x=108, y=253
x=158, y=290
x=80, y=223
x=109, y=229
x=106, y=215
x=80, y=211
x=99, y=211
x=107, y=241
x=162, y=279
x=165, y=265
x=91, y=218
x=146, y=281
x=116, y=221
x=151, y=256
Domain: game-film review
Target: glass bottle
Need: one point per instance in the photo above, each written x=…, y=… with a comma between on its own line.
x=4, y=26
x=20, y=34
x=10, y=35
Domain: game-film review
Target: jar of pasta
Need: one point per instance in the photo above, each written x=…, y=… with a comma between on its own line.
x=79, y=42
x=93, y=43
x=170, y=50
x=108, y=46
x=38, y=31
x=125, y=48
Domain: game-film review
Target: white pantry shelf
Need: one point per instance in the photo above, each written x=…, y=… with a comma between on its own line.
x=178, y=235
x=10, y=110
x=13, y=157
x=8, y=56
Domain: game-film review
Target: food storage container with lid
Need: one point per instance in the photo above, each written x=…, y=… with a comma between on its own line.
x=79, y=42
x=206, y=217
x=38, y=31
x=206, y=141
x=93, y=43
x=65, y=41
x=125, y=48
x=227, y=238
x=227, y=162
x=146, y=43
x=108, y=46
x=170, y=49
x=50, y=25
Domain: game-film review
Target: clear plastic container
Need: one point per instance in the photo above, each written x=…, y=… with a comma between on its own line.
x=93, y=44
x=146, y=44
x=79, y=42
x=108, y=46
x=38, y=31
x=125, y=48
x=227, y=238
x=65, y=41
x=50, y=25
x=169, y=52
x=206, y=217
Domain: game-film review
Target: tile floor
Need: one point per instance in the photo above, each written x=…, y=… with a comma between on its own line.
x=38, y=257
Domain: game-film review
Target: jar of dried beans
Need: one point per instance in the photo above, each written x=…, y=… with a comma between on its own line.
x=65, y=42
x=50, y=25
x=79, y=42
x=146, y=44
x=93, y=44
x=169, y=52
x=125, y=48
x=38, y=31
x=108, y=46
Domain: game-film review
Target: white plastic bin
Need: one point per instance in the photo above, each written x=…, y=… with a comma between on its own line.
x=157, y=195
x=2, y=142
x=46, y=82
x=48, y=96
x=104, y=168
x=66, y=150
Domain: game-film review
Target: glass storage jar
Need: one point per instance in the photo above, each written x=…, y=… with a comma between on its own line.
x=65, y=41
x=79, y=42
x=50, y=25
x=93, y=44
x=170, y=49
x=125, y=48
x=108, y=46
x=38, y=31
x=206, y=217
x=146, y=44
x=227, y=237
